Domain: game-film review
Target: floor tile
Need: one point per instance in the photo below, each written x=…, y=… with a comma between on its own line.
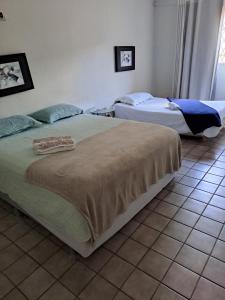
x=98, y=289
x=221, y=158
x=17, y=231
x=97, y=260
x=21, y=269
x=215, y=213
x=164, y=224
x=57, y=292
x=182, y=189
x=117, y=271
x=155, y=264
x=43, y=251
x=207, y=161
x=191, y=259
x=4, y=242
x=142, y=215
x=5, y=286
x=166, y=209
x=164, y=293
x=132, y=251
x=157, y=221
x=201, y=167
x=186, y=217
x=220, y=164
x=122, y=296
x=189, y=181
x=177, y=230
x=167, y=246
x=130, y=228
x=218, y=201
x=59, y=263
x=222, y=234
x=29, y=240
x=196, y=174
x=152, y=204
x=217, y=171
x=223, y=182
x=207, y=290
x=36, y=284
x=183, y=170
x=77, y=278
x=209, y=226
x=140, y=286
x=161, y=195
x=175, y=199
x=187, y=163
x=9, y=255
x=201, y=241
x=219, y=250
x=213, y=178
x=207, y=187
x=145, y=235
x=7, y=222
x=201, y=196
x=221, y=191
x=194, y=206
x=115, y=242
x=215, y=271
x=181, y=280
x=3, y=212
x=15, y=295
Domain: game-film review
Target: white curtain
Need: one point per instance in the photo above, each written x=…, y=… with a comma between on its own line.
x=218, y=91
x=196, y=49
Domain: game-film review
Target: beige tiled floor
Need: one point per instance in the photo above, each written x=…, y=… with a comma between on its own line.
x=173, y=249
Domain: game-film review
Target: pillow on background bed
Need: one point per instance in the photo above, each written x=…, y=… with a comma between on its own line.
x=135, y=98
x=15, y=124
x=57, y=112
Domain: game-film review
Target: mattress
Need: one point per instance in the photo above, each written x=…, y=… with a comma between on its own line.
x=156, y=111
x=44, y=206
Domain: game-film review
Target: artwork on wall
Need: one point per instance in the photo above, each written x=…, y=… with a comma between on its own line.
x=15, y=75
x=124, y=58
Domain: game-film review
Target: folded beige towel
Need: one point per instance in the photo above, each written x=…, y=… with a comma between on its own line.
x=51, y=145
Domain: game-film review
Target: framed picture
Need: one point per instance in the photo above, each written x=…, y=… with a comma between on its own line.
x=124, y=58
x=15, y=75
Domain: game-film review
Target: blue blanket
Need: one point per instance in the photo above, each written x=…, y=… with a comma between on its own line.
x=198, y=115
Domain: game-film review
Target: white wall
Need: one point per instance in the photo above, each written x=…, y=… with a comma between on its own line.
x=69, y=46
x=165, y=36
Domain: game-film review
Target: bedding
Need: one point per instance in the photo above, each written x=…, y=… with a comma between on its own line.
x=197, y=115
x=57, y=112
x=51, y=210
x=157, y=111
x=122, y=169
x=134, y=98
x=15, y=124
x=52, y=145
x=44, y=206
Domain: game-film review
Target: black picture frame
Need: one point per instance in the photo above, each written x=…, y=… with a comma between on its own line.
x=15, y=76
x=128, y=53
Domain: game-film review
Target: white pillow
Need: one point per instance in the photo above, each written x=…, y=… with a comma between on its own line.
x=134, y=98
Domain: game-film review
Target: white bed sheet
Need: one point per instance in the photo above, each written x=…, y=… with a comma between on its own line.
x=156, y=111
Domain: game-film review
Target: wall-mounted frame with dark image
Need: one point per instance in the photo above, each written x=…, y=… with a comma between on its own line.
x=124, y=58
x=15, y=74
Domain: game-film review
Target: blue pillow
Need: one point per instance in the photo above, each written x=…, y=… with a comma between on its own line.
x=57, y=112
x=15, y=124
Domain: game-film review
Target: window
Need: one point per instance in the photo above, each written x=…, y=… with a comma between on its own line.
x=222, y=45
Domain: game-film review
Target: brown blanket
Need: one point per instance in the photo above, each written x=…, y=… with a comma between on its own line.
x=108, y=171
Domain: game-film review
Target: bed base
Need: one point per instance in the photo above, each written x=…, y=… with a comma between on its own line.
x=85, y=249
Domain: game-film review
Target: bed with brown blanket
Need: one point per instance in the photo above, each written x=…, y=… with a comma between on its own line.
x=109, y=177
